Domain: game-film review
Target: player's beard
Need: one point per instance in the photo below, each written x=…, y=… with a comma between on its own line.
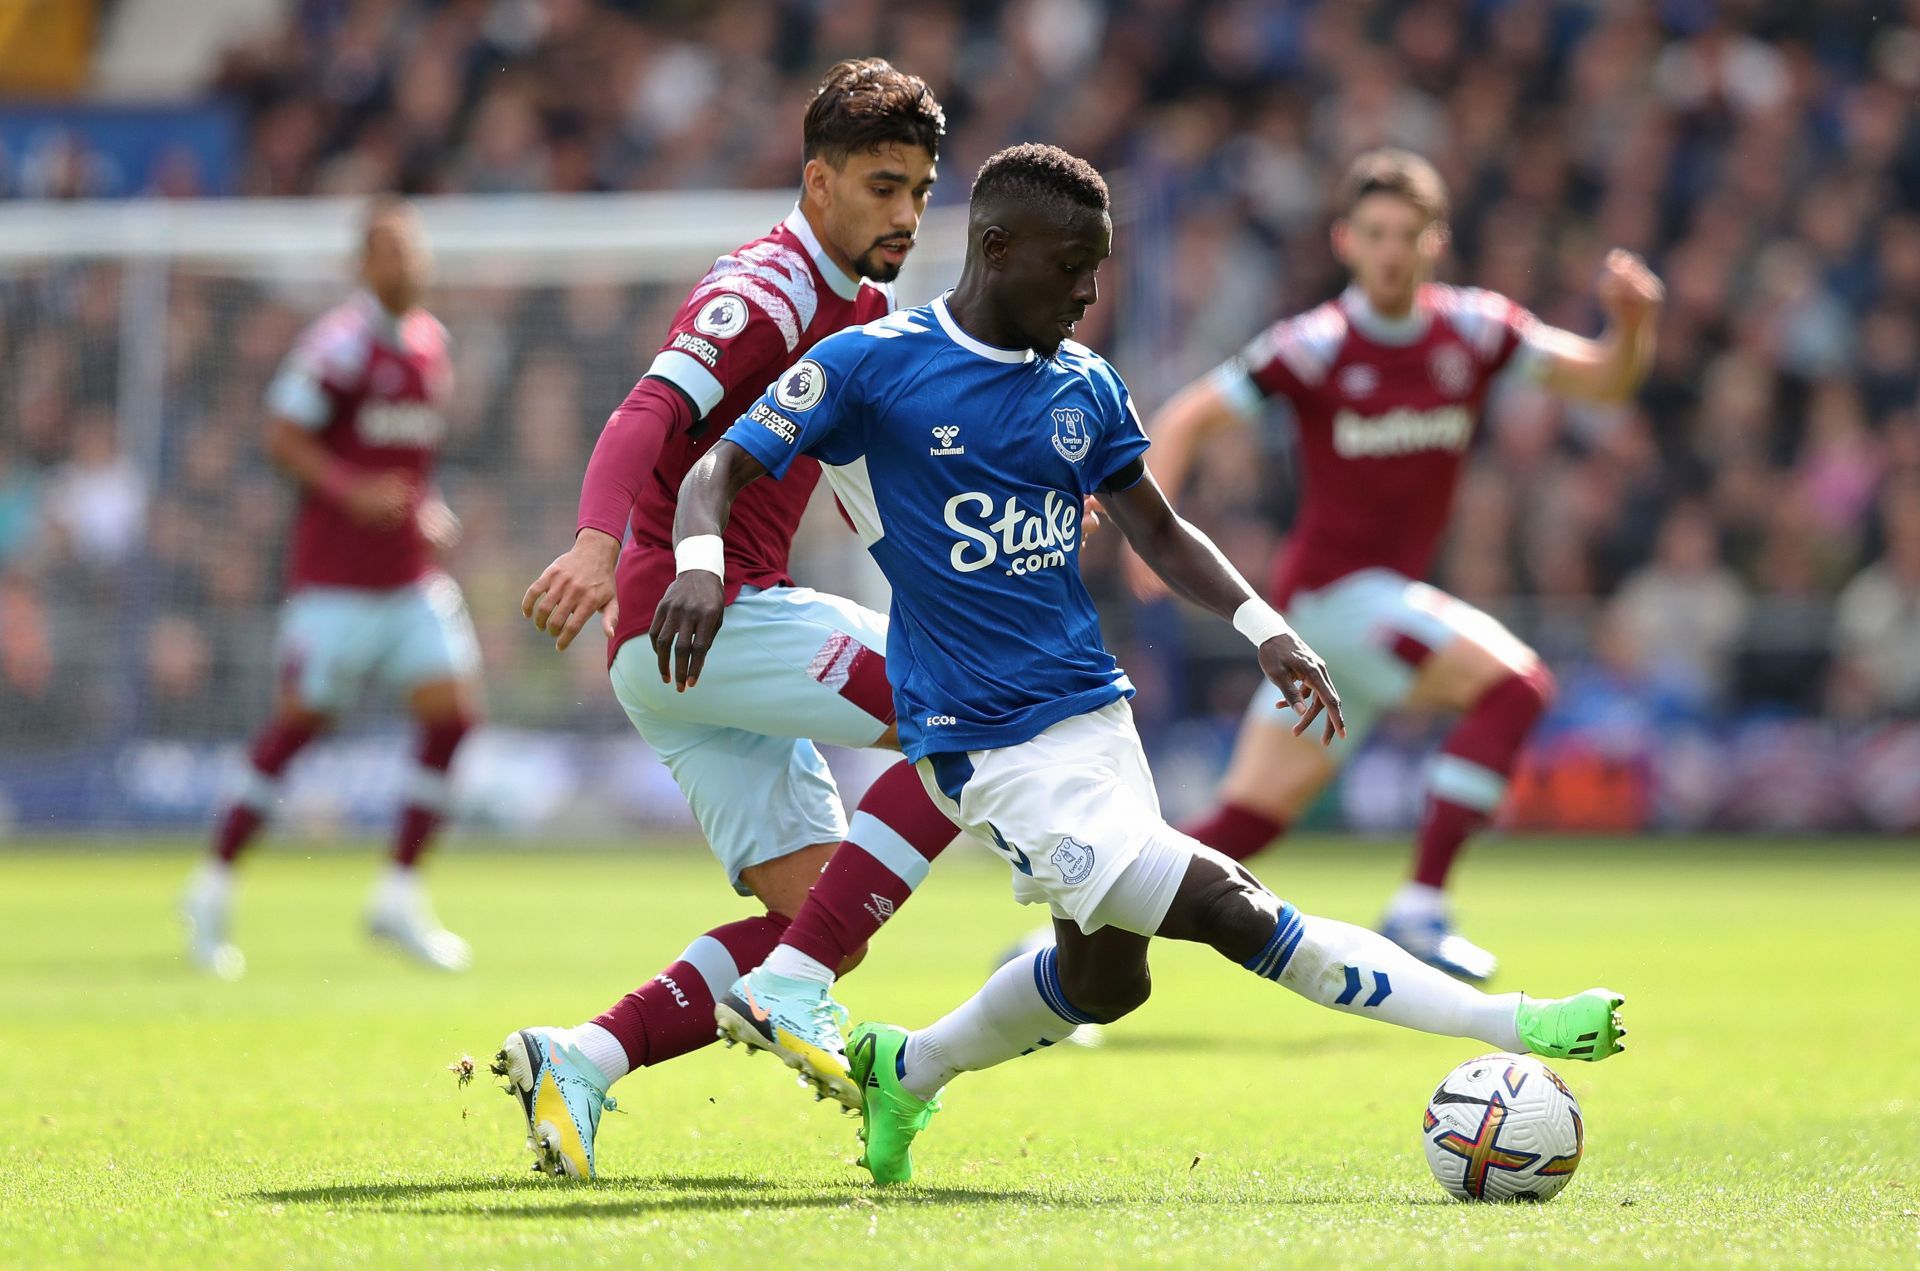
x=869, y=264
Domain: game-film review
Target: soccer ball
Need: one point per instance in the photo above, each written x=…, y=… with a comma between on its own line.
x=1503, y=1127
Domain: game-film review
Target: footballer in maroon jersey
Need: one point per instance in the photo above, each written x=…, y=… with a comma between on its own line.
x=1387, y=383
x=793, y=666
x=356, y=419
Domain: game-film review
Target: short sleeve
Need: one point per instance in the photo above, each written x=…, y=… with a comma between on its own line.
x=816, y=407
x=1123, y=441
x=723, y=340
x=1505, y=335
x=324, y=361
x=1261, y=371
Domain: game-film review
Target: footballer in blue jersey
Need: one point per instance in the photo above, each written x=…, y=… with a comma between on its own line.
x=961, y=438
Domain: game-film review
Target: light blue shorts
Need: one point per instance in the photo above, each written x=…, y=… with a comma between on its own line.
x=791, y=666
x=335, y=641
x=1364, y=626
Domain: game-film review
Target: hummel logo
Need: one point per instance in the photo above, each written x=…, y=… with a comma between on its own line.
x=945, y=434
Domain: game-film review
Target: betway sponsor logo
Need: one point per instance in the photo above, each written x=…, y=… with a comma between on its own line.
x=400, y=424
x=1401, y=432
x=1018, y=541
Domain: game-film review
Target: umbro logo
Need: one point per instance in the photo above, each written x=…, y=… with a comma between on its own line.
x=945, y=435
x=879, y=906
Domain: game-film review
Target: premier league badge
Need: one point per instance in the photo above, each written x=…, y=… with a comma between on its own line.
x=1070, y=435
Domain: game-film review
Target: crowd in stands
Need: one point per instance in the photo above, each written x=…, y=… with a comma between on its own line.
x=1745, y=537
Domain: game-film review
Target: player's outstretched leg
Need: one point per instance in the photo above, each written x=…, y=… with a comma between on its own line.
x=399, y=912
x=1465, y=786
x=1362, y=973
x=1028, y=1004
x=785, y=1005
x=206, y=906
x=668, y=1016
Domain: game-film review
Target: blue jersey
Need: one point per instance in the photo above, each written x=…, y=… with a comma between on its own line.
x=963, y=468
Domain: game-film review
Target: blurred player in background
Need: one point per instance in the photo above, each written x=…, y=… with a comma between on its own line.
x=1386, y=384
x=356, y=420
x=794, y=665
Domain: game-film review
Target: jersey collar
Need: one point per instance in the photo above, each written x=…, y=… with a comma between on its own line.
x=386, y=327
x=992, y=352
x=1383, y=330
x=844, y=285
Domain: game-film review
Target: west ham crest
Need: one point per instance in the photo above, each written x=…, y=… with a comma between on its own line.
x=1071, y=437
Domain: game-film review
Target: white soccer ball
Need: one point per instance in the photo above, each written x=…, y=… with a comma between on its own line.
x=1503, y=1127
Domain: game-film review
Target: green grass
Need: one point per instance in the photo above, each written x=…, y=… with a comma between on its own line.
x=1768, y=1113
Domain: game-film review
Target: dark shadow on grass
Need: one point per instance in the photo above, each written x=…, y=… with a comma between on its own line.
x=632, y=1197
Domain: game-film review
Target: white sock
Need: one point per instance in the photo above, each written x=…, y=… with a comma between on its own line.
x=602, y=1049
x=795, y=965
x=1008, y=1017
x=213, y=880
x=1361, y=972
x=1418, y=900
x=398, y=887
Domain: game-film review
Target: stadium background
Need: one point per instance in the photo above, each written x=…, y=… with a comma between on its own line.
x=1726, y=576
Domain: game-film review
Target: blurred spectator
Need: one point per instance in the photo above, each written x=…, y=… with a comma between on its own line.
x=1683, y=614
x=1878, y=621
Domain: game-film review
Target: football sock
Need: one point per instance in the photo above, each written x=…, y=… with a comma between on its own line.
x=1360, y=972
x=428, y=789
x=272, y=750
x=895, y=834
x=1236, y=831
x=1468, y=778
x=672, y=1013
x=1019, y=1009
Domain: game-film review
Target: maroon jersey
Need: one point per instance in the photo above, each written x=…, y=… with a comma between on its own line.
x=1386, y=410
x=372, y=388
x=757, y=312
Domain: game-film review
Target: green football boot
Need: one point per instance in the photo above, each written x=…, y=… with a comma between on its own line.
x=1585, y=1026
x=890, y=1116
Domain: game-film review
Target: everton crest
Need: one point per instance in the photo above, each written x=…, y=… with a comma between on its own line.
x=1073, y=858
x=1071, y=437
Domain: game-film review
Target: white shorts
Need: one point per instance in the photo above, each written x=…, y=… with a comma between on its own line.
x=1070, y=811
x=1366, y=627
x=334, y=641
x=791, y=666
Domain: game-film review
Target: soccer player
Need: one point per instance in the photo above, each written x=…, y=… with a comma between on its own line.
x=356, y=420
x=794, y=666
x=1386, y=385
x=962, y=437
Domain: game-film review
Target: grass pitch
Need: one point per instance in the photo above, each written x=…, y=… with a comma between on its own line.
x=1767, y=1113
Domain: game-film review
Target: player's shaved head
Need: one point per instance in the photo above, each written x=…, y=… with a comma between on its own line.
x=393, y=251
x=1038, y=231
x=1034, y=179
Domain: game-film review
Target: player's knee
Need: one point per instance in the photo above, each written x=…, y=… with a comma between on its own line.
x=1542, y=687
x=1105, y=994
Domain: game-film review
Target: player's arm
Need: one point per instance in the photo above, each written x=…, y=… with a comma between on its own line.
x=1608, y=370
x=690, y=614
x=1195, y=569
x=379, y=500
x=1204, y=409
x=580, y=582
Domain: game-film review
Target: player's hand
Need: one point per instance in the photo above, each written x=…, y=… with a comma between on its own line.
x=684, y=625
x=574, y=588
x=1303, y=680
x=380, y=501
x=1089, y=518
x=1629, y=291
x=438, y=525
x=1146, y=585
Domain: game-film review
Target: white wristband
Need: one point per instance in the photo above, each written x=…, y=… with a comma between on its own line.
x=1259, y=621
x=701, y=551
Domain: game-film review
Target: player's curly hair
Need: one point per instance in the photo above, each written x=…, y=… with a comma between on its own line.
x=864, y=103
x=1032, y=172
x=1401, y=173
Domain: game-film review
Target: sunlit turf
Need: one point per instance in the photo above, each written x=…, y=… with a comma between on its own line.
x=1767, y=1114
